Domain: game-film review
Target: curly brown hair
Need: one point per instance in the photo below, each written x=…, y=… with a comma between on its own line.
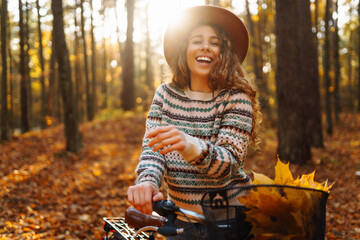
x=227, y=73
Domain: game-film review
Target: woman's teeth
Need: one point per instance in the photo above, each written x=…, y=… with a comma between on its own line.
x=204, y=59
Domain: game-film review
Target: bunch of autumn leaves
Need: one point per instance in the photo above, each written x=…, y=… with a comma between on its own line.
x=285, y=208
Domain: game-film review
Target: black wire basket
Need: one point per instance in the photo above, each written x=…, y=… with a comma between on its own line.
x=265, y=212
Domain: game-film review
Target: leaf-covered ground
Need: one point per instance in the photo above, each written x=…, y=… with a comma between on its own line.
x=46, y=193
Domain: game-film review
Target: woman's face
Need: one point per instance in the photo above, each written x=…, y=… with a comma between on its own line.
x=202, y=51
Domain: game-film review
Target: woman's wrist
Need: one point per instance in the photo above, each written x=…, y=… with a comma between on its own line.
x=192, y=148
x=148, y=179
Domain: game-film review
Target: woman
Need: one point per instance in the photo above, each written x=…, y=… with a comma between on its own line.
x=200, y=124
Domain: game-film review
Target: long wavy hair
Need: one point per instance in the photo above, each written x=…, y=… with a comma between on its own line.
x=227, y=73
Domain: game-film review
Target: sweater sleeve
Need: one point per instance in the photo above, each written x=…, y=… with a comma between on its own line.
x=151, y=165
x=224, y=156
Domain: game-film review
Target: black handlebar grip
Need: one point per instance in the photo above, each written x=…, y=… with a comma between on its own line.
x=137, y=219
x=164, y=207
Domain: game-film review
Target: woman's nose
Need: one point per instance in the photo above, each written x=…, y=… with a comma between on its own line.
x=205, y=46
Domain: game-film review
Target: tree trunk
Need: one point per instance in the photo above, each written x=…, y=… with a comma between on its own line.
x=104, y=95
x=293, y=143
x=78, y=72
x=262, y=82
x=93, y=64
x=27, y=61
x=128, y=94
x=258, y=65
x=72, y=135
x=255, y=49
x=336, y=67
x=103, y=82
x=358, y=93
x=23, y=81
x=316, y=23
x=89, y=108
x=51, y=106
x=4, y=92
x=42, y=76
x=309, y=73
x=11, y=83
x=327, y=80
x=58, y=110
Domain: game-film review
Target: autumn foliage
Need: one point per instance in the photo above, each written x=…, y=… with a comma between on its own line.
x=46, y=193
x=283, y=176
x=284, y=208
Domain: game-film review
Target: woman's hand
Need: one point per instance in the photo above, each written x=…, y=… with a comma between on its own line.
x=167, y=138
x=142, y=197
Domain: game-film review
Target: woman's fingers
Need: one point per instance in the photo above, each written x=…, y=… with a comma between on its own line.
x=167, y=138
x=141, y=196
x=158, y=130
x=176, y=147
x=161, y=137
x=169, y=141
x=133, y=197
x=148, y=201
x=130, y=195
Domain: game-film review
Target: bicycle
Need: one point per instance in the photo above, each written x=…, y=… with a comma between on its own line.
x=227, y=217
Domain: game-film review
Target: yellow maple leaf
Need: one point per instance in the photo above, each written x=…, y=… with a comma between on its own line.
x=283, y=175
x=307, y=181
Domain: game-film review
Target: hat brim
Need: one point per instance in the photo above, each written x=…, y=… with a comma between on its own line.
x=177, y=32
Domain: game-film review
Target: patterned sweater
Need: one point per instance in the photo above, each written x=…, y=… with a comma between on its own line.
x=217, y=127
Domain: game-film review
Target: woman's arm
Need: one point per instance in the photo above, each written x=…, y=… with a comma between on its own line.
x=151, y=167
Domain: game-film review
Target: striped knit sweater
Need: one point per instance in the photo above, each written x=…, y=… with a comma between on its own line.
x=217, y=127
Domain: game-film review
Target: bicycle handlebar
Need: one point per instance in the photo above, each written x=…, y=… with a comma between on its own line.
x=162, y=224
x=166, y=207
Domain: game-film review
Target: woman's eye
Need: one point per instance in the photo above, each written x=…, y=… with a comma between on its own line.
x=215, y=43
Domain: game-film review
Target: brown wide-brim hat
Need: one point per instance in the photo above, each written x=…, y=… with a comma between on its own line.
x=177, y=32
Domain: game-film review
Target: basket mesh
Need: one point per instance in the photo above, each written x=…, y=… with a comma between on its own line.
x=265, y=212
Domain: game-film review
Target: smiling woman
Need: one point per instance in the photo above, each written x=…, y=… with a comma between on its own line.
x=199, y=125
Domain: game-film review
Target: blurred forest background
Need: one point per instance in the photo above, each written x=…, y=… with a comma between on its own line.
x=70, y=67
